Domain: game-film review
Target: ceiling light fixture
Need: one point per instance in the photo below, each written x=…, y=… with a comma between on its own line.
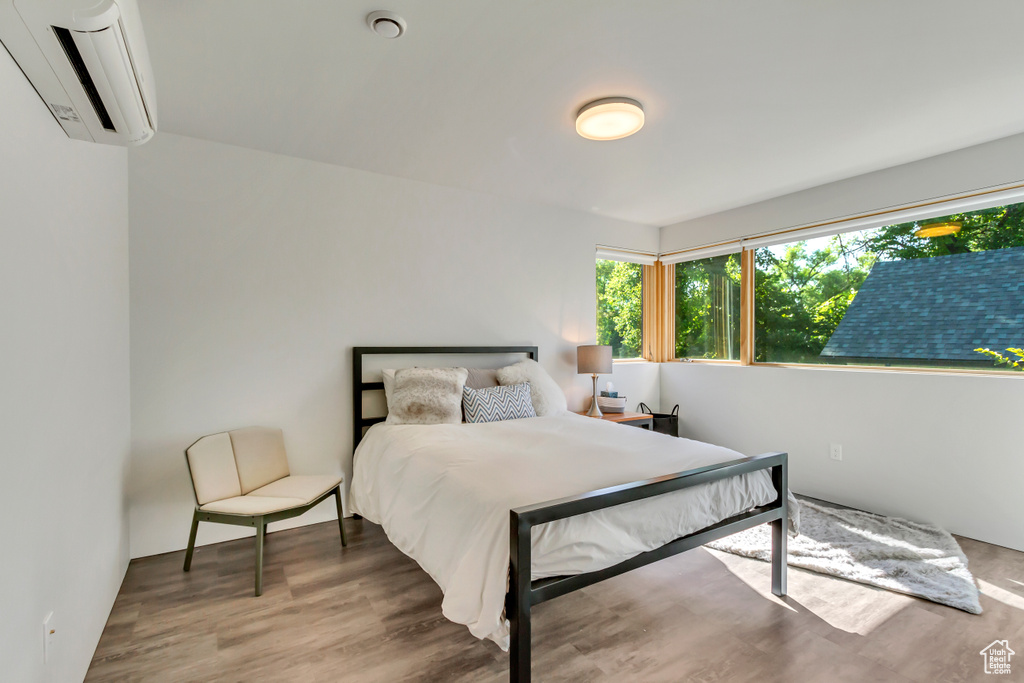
x=611, y=118
x=386, y=24
x=939, y=229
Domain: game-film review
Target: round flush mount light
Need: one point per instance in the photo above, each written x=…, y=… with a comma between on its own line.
x=385, y=24
x=939, y=229
x=611, y=118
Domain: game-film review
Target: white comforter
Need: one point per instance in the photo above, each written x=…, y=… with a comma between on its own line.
x=443, y=495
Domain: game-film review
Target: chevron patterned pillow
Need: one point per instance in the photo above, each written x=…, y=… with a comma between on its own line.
x=497, y=403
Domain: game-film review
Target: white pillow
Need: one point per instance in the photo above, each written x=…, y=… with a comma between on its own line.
x=388, y=377
x=427, y=396
x=546, y=395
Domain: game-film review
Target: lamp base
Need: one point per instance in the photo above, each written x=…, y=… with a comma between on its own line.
x=595, y=410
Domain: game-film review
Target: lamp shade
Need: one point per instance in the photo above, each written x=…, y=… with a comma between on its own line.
x=594, y=359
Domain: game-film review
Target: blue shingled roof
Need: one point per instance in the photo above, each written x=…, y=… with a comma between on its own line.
x=939, y=308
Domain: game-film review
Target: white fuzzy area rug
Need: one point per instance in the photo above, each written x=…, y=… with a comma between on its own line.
x=896, y=554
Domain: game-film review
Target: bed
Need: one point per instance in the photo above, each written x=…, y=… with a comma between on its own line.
x=505, y=515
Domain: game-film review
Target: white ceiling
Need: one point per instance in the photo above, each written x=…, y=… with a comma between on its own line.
x=745, y=99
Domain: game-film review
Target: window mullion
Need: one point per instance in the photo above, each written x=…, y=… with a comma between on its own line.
x=658, y=313
x=667, y=311
x=747, y=275
x=650, y=317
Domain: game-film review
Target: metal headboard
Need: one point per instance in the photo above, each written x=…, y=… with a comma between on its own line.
x=359, y=386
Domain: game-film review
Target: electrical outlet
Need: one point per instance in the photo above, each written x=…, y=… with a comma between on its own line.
x=835, y=451
x=49, y=637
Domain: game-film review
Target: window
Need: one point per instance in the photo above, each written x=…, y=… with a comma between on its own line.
x=620, y=303
x=926, y=290
x=707, y=308
x=933, y=292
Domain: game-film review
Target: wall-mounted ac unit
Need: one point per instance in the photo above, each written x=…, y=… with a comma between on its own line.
x=87, y=59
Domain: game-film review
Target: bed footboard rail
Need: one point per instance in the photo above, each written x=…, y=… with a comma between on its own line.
x=524, y=592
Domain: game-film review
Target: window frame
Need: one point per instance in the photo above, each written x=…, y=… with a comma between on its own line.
x=648, y=316
x=663, y=275
x=669, y=313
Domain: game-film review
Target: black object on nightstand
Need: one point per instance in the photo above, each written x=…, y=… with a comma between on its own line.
x=666, y=423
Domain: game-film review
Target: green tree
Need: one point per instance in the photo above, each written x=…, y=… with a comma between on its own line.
x=1008, y=361
x=802, y=296
x=707, y=308
x=620, y=307
x=995, y=228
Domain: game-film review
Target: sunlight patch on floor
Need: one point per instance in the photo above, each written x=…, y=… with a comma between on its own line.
x=1001, y=594
x=757, y=575
x=848, y=606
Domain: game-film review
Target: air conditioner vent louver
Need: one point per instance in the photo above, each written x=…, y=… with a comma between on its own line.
x=75, y=57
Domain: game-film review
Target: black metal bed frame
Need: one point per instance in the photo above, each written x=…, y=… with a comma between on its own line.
x=523, y=591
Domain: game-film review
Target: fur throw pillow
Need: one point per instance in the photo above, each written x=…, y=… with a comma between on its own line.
x=546, y=395
x=427, y=396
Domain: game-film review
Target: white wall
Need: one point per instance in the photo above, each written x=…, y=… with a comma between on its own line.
x=253, y=274
x=932, y=447
x=637, y=381
x=946, y=449
x=63, y=385
x=993, y=163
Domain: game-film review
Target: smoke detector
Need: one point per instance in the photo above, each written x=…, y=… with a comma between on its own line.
x=386, y=24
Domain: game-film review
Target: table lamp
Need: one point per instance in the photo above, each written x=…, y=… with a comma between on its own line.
x=594, y=359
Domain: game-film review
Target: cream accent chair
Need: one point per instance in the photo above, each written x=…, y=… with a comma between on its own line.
x=241, y=477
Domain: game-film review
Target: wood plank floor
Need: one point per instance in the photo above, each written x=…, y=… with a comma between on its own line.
x=367, y=613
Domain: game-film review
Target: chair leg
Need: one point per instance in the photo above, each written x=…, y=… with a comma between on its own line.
x=191, y=540
x=261, y=532
x=341, y=515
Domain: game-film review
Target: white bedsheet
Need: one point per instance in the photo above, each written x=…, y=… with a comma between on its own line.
x=443, y=493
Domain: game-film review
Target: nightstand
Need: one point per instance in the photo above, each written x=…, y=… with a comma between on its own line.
x=642, y=420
